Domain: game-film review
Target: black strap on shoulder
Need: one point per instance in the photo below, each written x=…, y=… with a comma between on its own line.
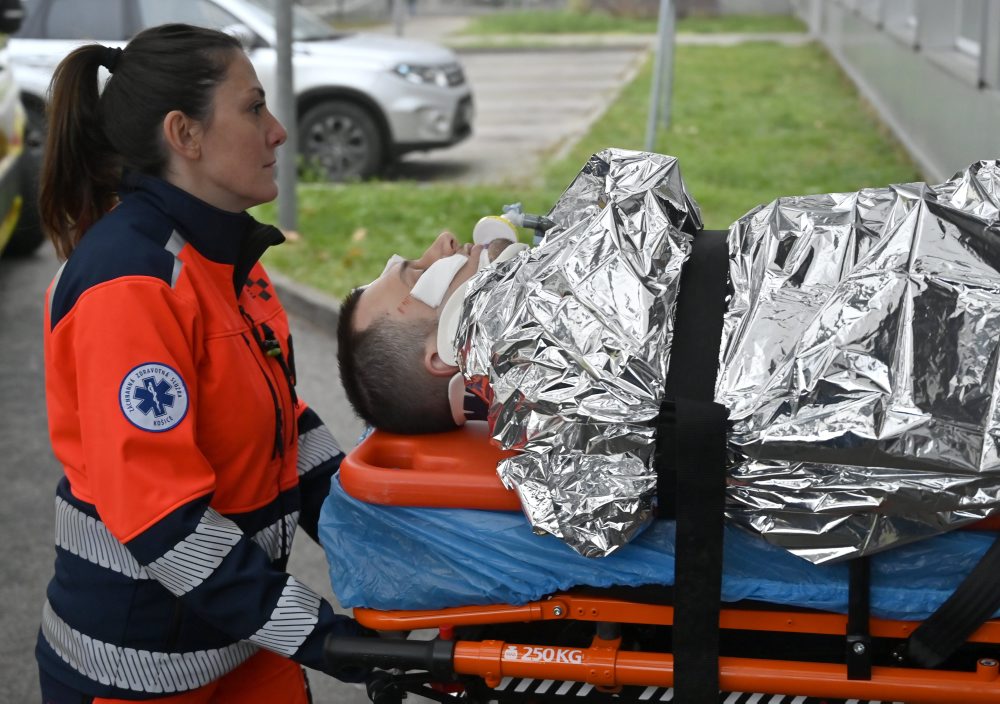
x=691, y=468
x=974, y=602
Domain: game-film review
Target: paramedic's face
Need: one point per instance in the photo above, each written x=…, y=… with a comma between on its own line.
x=389, y=294
x=238, y=145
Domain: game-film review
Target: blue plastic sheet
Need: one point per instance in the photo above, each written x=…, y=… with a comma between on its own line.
x=385, y=557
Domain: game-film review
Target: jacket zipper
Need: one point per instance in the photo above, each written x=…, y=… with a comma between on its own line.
x=274, y=350
x=279, y=445
x=271, y=347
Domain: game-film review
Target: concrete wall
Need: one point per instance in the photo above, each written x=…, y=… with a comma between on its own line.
x=942, y=103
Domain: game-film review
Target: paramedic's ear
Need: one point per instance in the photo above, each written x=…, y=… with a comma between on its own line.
x=182, y=134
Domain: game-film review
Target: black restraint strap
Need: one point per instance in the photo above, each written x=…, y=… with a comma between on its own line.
x=701, y=303
x=970, y=606
x=859, y=642
x=691, y=464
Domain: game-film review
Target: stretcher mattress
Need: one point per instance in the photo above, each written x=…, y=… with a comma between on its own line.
x=392, y=557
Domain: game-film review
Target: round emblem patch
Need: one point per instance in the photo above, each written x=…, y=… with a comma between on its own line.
x=153, y=397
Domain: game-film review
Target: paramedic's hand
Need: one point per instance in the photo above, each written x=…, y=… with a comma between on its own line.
x=355, y=673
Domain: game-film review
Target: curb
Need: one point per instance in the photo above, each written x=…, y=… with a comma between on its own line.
x=303, y=301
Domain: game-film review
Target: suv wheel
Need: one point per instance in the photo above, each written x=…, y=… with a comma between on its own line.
x=340, y=141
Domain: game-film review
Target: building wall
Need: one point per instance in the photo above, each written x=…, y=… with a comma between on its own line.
x=910, y=61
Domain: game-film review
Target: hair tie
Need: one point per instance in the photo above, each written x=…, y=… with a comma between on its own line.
x=110, y=57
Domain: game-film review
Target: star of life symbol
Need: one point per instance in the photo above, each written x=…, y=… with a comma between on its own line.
x=153, y=397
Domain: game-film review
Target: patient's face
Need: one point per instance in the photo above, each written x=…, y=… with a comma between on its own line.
x=389, y=294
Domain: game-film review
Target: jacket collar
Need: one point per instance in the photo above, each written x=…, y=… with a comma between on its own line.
x=218, y=235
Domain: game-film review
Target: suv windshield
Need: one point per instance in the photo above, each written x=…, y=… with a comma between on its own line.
x=306, y=26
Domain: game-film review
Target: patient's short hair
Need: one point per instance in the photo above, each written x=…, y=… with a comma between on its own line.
x=382, y=371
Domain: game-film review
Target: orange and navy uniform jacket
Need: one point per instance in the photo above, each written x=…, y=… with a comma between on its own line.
x=188, y=460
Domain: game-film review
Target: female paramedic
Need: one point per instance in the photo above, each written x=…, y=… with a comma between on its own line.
x=188, y=459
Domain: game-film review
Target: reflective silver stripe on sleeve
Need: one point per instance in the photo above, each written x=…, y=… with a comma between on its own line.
x=89, y=539
x=194, y=559
x=272, y=539
x=174, y=245
x=139, y=670
x=292, y=620
x=316, y=447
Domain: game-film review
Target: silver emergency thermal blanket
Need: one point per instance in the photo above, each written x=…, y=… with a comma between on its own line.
x=573, y=336
x=859, y=363
x=858, y=358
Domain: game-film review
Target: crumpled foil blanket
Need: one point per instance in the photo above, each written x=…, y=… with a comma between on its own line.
x=574, y=336
x=858, y=358
x=859, y=364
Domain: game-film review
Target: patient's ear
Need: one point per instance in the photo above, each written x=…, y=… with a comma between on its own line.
x=434, y=364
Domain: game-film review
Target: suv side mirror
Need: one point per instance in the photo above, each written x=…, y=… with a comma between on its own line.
x=11, y=16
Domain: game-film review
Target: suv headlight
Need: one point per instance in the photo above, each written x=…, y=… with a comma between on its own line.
x=442, y=76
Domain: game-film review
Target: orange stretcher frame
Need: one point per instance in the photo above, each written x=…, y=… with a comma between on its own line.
x=399, y=470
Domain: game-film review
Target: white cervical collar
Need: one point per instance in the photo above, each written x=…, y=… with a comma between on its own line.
x=448, y=320
x=448, y=327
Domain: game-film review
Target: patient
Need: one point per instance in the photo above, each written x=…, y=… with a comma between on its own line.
x=858, y=359
x=387, y=345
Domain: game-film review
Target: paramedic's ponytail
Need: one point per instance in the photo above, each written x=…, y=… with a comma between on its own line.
x=80, y=169
x=93, y=135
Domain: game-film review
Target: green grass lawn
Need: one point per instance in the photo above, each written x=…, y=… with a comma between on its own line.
x=568, y=21
x=750, y=123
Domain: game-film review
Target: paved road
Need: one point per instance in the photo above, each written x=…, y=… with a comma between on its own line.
x=530, y=106
x=29, y=473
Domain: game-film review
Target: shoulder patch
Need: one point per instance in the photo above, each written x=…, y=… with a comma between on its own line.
x=153, y=397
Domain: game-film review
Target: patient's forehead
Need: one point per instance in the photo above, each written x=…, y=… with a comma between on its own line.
x=382, y=296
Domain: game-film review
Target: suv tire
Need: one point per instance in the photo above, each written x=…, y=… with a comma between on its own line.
x=340, y=141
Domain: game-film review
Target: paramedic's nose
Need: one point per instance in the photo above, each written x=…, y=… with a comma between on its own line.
x=444, y=246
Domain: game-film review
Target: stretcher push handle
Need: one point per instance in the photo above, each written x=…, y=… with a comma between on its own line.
x=434, y=656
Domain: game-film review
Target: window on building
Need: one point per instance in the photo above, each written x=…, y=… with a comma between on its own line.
x=971, y=21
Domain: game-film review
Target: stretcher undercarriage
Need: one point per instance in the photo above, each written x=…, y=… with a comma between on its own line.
x=616, y=644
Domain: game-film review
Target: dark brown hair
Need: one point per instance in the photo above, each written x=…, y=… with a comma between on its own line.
x=383, y=374
x=93, y=135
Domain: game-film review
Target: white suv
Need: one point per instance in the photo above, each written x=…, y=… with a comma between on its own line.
x=361, y=99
